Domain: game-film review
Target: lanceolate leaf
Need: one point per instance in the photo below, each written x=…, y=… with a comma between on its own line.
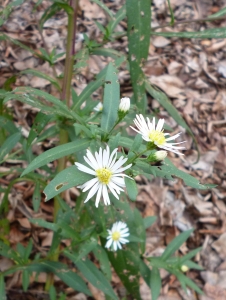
x=155, y=283
x=9, y=144
x=95, y=277
x=168, y=170
x=216, y=33
x=165, y=102
x=111, y=99
x=175, y=244
x=139, y=19
x=40, y=122
x=94, y=85
x=42, y=75
x=64, y=180
x=55, y=153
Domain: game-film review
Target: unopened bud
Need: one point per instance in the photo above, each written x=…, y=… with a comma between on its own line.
x=160, y=155
x=99, y=107
x=184, y=268
x=124, y=104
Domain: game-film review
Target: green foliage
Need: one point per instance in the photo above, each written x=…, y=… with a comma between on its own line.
x=79, y=128
x=139, y=17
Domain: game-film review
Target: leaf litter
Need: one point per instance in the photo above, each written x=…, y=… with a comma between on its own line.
x=193, y=74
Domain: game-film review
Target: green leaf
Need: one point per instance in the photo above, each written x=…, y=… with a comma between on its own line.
x=108, y=52
x=119, y=16
x=84, y=249
x=148, y=221
x=111, y=99
x=37, y=98
x=167, y=170
x=188, y=256
x=95, y=277
x=155, y=283
x=64, y=180
x=184, y=280
x=126, y=264
x=167, y=104
x=36, y=197
x=104, y=7
x=192, y=265
x=7, y=84
x=9, y=144
x=94, y=85
x=131, y=188
x=8, y=125
x=218, y=14
x=175, y=244
x=39, y=124
x=2, y=288
x=171, y=13
x=105, y=266
x=55, y=153
x=213, y=33
x=25, y=280
x=42, y=75
x=138, y=31
x=67, y=276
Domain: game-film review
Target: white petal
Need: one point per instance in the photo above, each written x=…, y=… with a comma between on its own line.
x=92, y=160
x=113, y=191
x=105, y=195
x=98, y=195
x=115, y=245
x=173, y=137
x=92, y=191
x=112, y=158
x=119, y=163
x=89, y=184
x=118, y=181
x=160, y=124
x=85, y=169
x=108, y=244
x=123, y=241
x=106, y=154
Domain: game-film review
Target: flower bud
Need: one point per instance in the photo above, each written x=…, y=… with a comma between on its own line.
x=124, y=104
x=160, y=155
x=99, y=107
x=184, y=268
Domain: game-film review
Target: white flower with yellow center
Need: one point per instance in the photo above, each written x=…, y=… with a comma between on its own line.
x=99, y=107
x=155, y=134
x=107, y=172
x=117, y=235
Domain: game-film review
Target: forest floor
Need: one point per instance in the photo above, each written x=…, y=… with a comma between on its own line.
x=193, y=74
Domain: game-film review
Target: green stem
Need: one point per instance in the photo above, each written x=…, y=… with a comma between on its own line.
x=65, y=95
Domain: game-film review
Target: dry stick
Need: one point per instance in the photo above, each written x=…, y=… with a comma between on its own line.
x=65, y=95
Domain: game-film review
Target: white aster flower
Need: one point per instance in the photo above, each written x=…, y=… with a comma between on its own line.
x=155, y=134
x=99, y=107
x=117, y=235
x=107, y=172
x=124, y=104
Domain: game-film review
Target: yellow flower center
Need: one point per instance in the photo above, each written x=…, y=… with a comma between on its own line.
x=104, y=175
x=157, y=137
x=116, y=236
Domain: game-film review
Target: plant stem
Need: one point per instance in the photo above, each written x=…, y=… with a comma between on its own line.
x=65, y=95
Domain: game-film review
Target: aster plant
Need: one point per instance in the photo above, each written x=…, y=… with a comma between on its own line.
x=103, y=148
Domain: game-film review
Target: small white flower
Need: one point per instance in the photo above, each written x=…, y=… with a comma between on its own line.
x=124, y=104
x=99, y=107
x=155, y=134
x=160, y=155
x=117, y=235
x=107, y=172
